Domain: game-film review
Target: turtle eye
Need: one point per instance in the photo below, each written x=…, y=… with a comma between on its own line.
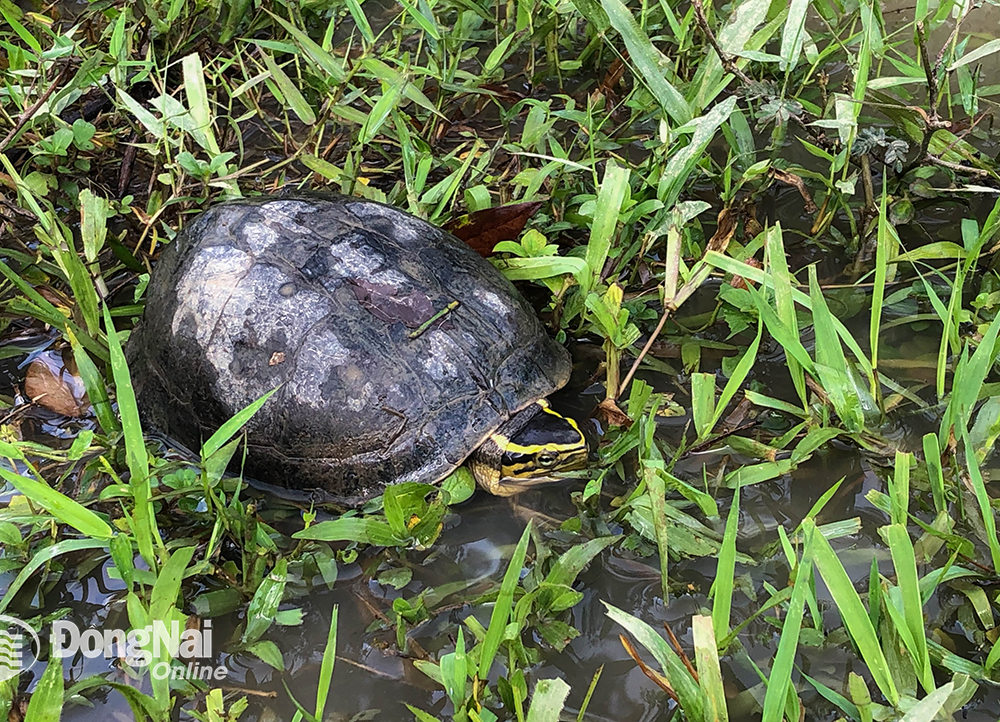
x=547, y=459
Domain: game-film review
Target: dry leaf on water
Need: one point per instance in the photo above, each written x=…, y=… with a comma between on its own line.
x=484, y=229
x=609, y=413
x=55, y=385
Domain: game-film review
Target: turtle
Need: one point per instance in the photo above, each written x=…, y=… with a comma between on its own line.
x=398, y=352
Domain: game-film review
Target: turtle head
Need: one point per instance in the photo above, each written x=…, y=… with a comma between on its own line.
x=534, y=447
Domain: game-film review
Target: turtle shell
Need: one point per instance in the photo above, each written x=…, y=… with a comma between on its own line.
x=395, y=348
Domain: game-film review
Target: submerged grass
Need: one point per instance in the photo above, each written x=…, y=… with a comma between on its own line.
x=627, y=123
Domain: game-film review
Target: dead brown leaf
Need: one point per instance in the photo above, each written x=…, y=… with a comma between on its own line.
x=724, y=230
x=794, y=180
x=737, y=281
x=55, y=385
x=504, y=92
x=608, y=413
x=655, y=676
x=484, y=229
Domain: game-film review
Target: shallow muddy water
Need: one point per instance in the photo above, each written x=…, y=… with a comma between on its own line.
x=372, y=681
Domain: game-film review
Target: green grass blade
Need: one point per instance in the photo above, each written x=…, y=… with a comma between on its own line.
x=149, y=121
x=162, y=608
x=590, y=693
x=793, y=34
x=787, y=336
x=229, y=429
x=366, y=530
x=864, y=63
x=852, y=611
x=987, y=48
x=548, y=700
x=780, y=679
x=983, y=500
x=59, y=505
x=454, y=672
x=706, y=654
x=702, y=403
x=935, y=473
x=41, y=559
x=831, y=364
x=315, y=52
x=905, y=564
x=538, y=268
x=93, y=382
x=928, y=709
x=965, y=394
x=837, y=699
x=60, y=244
x=30, y=40
x=135, y=447
x=380, y=111
x=691, y=696
x=740, y=373
x=168, y=584
x=737, y=36
x=296, y=101
x=785, y=306
x=676, y=176
x=46, y=701
x=391, y=77
x=504, y=605
x=648, y=61
x=612, y=193
x=361, y=21
x=726, y=263
x=569, y=565
x=93, y=223
x=661, y=529
x=264, y=604
x=420, y=715
x=427, y=24
x=900, y=488
x=725, y=572
x=197, y=101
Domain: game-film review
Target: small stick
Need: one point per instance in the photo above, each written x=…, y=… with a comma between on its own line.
x=427, y=324
x=956, y=167
x=727, y=62
x=932, y=88
x=680, y=651
x=667, y=312
x=29, y=112
x=128, y=160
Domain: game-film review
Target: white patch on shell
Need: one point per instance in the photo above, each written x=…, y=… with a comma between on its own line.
x=283, y=211
x=210, y=283
x=316, y=356
x=259, y=237
x=492, y=301
x=361, y=400
x=355, y=261
x=441, y=361
x=409, y=229
x=404, y=227
x=389, y=277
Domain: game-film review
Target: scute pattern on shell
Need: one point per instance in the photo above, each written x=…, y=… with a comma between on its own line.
x=319, y=294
